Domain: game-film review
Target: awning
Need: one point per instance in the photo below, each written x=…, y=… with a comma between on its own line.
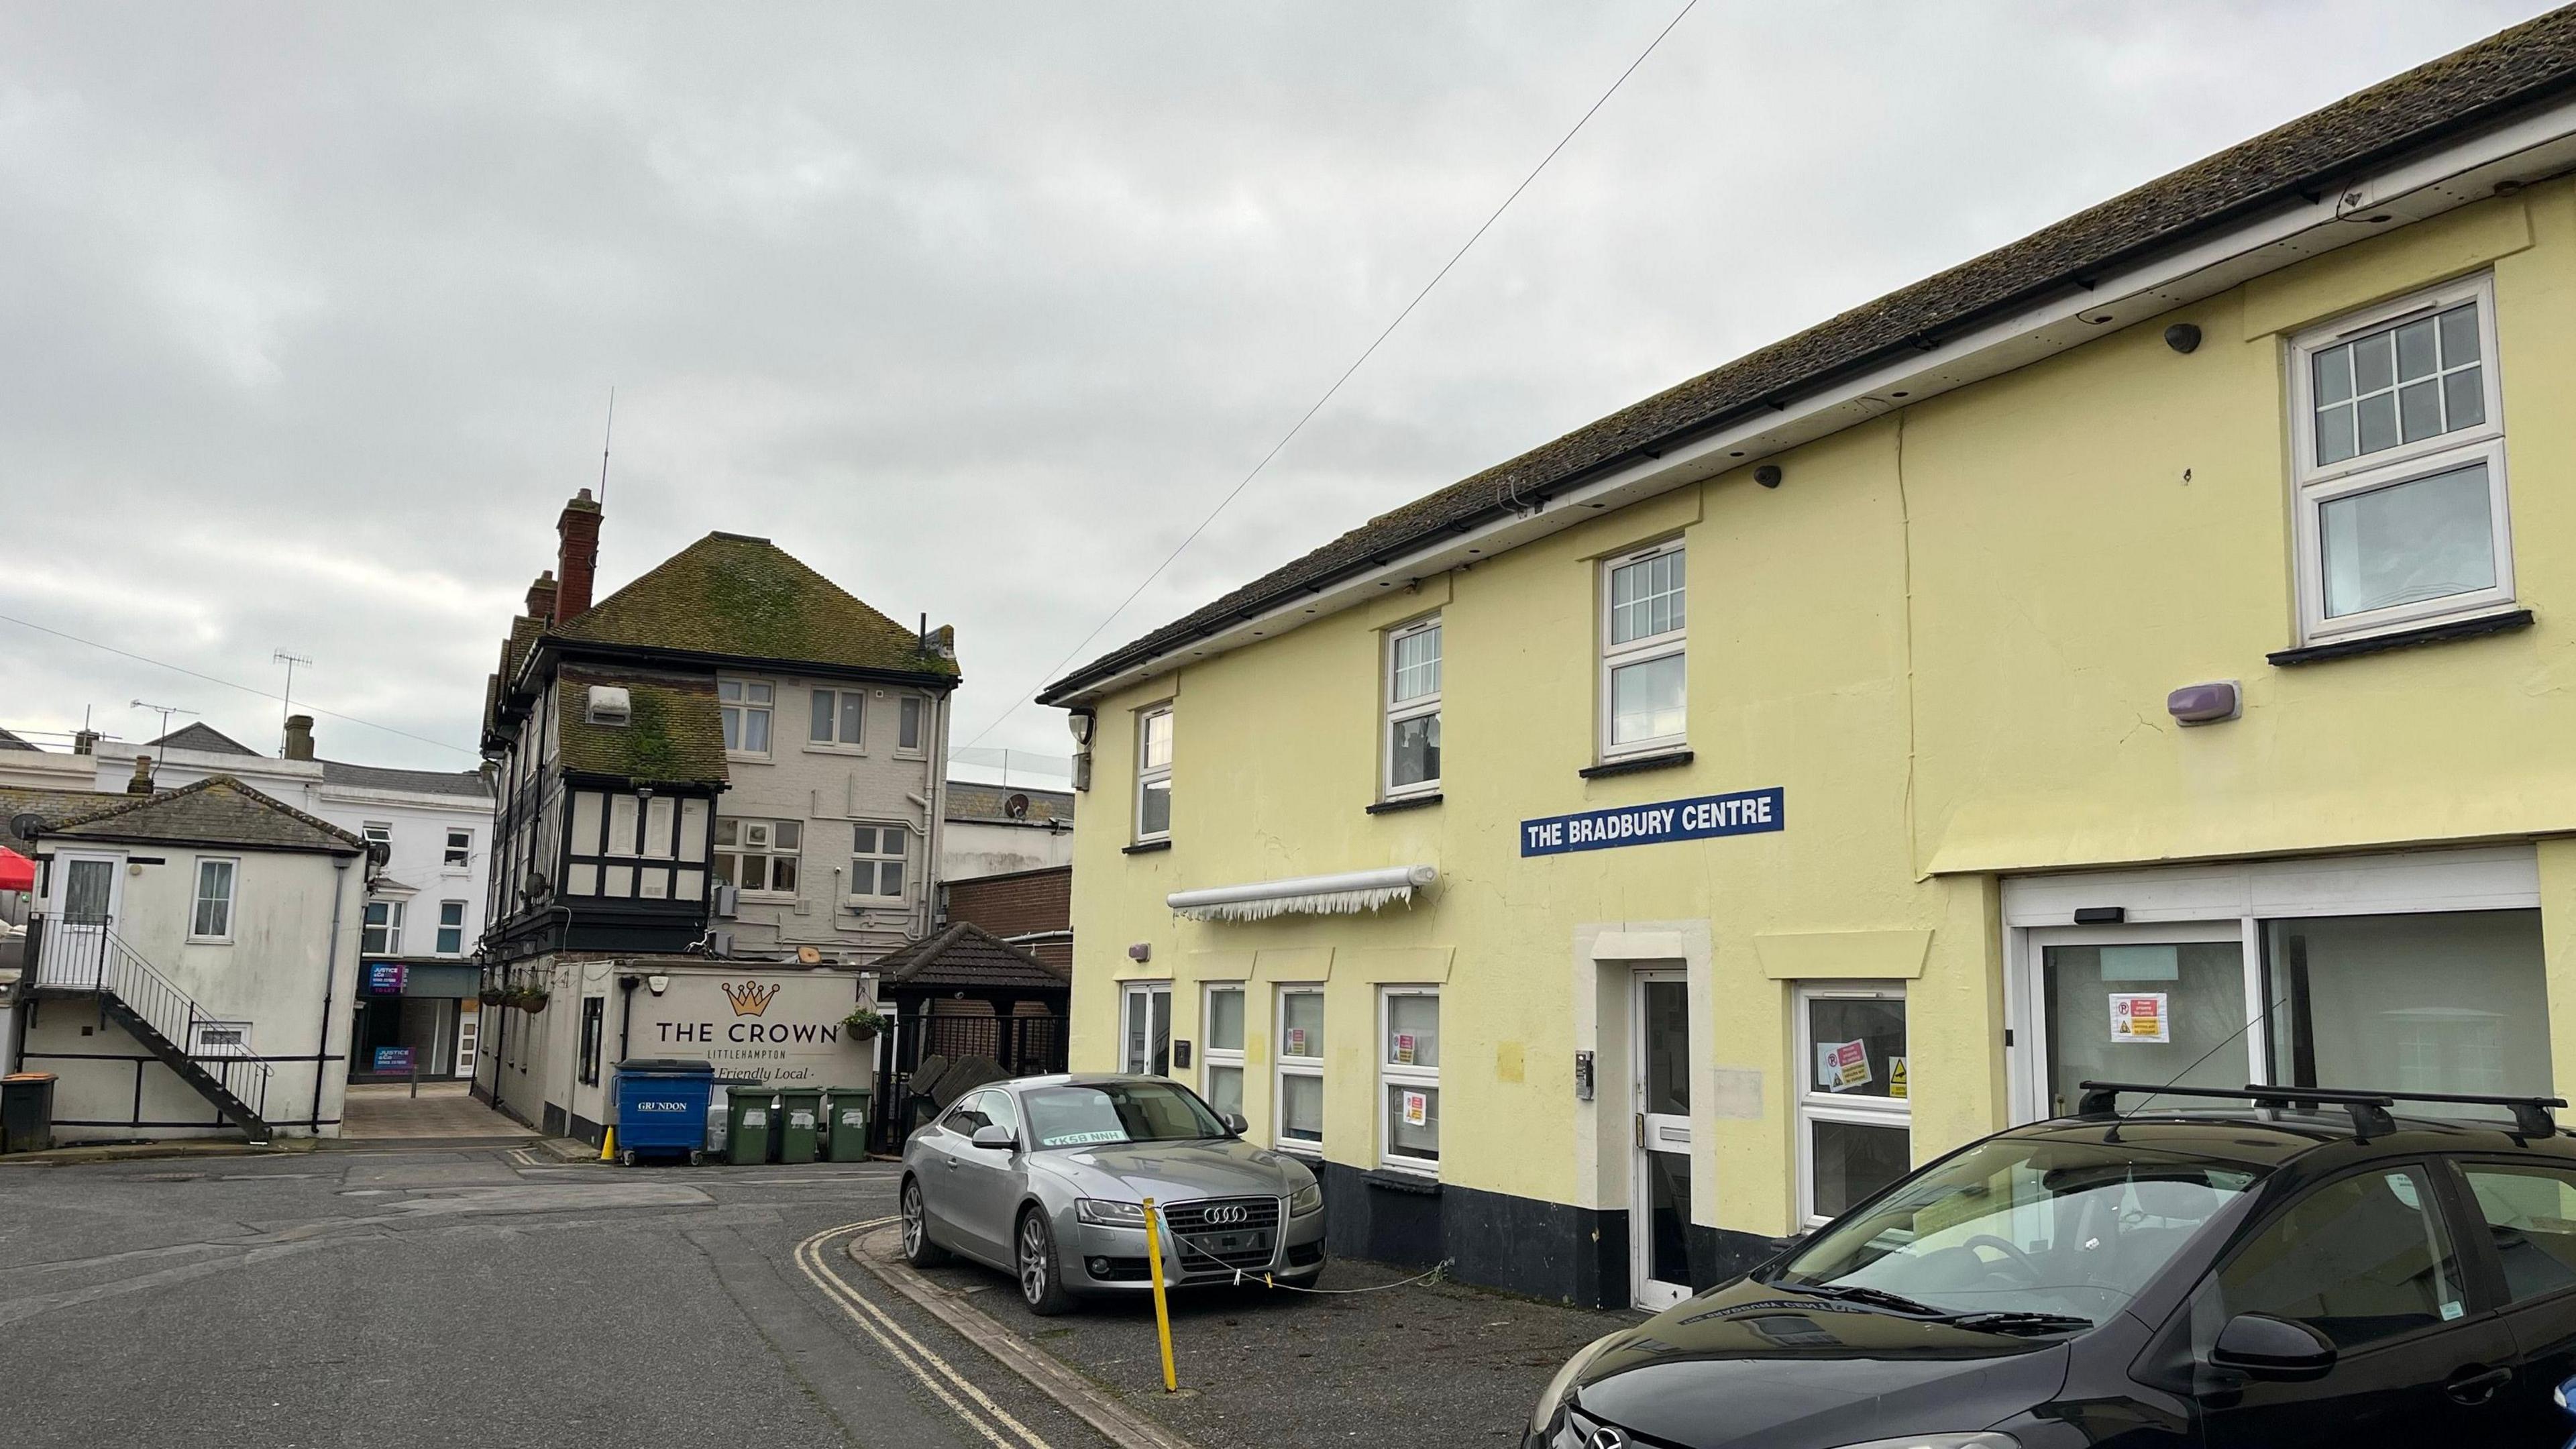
x=1346, y=894
x=17, y=872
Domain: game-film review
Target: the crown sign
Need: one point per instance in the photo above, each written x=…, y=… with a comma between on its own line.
x=751, y=998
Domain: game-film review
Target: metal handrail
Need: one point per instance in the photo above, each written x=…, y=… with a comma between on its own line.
x=89, y=956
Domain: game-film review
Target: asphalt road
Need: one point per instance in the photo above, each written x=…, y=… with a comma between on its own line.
x=389, y=1298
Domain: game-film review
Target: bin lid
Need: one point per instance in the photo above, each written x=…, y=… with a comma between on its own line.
x=28, y=1077
x=664, y=1067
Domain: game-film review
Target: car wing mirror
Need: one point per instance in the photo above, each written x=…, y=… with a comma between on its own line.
x=997, y=1137
x=1235, y=1123
x=2266, y=1347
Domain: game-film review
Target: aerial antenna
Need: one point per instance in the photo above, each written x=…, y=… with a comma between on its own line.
x=165, y=711
x=290, y=661
x=604, y=439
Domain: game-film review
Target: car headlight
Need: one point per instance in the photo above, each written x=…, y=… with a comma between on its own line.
x=1563, y=1384
x=1980, y=1440
x=1103, y=1213
x=1983, y=1439
x=1309, y=1199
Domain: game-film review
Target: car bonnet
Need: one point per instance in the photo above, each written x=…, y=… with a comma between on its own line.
x=1172, y=1171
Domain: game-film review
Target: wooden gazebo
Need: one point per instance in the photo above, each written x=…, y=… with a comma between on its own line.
x=961, y=995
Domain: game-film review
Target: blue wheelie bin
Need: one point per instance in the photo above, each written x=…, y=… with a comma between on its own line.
x=662, y=1108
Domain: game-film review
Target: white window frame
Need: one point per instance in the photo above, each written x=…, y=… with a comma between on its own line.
x=1285, y=1066
x=197, y=899
x=2314, y=485
x=457, y=857
x=883, y=828
x=211, y=1038
x=378, y=832
x=1212, y=1056
x=918, y=706
x=1128, y=991
x=766, y=847
x=1615, y=657
x=392, y=928
x=438, y=942
x=1404, y=711
x=736, y=709
x=1146, y=775
x=1816, y=1105
x=856, y=745
x=1391, y=1076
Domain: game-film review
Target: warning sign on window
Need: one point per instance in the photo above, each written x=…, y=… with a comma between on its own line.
x=1417, y=1109
x=2139, y=1017
x=1841, y=1066
x=1896, y=1076
x=1404, y=1048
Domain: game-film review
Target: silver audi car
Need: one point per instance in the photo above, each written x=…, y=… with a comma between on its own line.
x=1046, y=1178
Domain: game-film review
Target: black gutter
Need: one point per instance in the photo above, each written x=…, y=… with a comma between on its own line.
x=2306, y=190
x=330, y=971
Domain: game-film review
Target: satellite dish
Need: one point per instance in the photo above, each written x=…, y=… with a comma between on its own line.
x=808, y=956
x=25, y=826
x=1017, y=807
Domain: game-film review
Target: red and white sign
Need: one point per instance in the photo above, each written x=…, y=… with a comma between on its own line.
x=1417, y=1109
x=2138, y=1017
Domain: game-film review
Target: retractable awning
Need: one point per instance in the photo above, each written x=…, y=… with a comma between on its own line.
x=1346, y=894
x=17, y=872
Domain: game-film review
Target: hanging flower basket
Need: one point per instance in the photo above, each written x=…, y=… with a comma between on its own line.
x=863, y=1024
x=531, y=1002
x=492, y=996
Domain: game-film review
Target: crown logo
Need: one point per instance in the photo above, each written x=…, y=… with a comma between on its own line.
x=751, y=998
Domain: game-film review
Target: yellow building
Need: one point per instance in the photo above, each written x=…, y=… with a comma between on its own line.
x=2146, y=652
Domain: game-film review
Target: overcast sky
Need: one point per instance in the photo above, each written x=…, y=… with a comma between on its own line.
x=308, y=315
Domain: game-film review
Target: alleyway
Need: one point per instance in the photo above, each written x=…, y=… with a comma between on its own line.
x=390, y=1112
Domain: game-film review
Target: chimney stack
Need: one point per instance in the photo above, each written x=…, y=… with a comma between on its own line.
x=299, y=737
x=576, y=557
x=541, y=598
x=141, y=784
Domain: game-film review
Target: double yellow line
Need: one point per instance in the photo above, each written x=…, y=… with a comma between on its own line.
x=935, y=1373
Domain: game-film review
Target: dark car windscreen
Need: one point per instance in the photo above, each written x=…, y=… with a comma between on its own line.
x=1113, y=1112
x=2018, y=1226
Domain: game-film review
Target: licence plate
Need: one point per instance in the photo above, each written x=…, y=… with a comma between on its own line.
x=1231, y=1242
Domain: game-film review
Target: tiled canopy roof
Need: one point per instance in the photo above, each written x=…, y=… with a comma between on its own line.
x=966, y=957
x=2530, y=63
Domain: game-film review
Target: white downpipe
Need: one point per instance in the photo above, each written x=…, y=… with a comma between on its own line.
x=1346, y=894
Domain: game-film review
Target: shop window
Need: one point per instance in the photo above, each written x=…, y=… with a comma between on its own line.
x=745, y=705
x=2445, y=1001
x=382, y=935
x=2530, y=1214
x=1409, y=1076
x=212, y=918
x=451, y=928
x=877, y=857
x=1154, y=774
x=1221, y=1078
x=1412, y=762
x=594, y=1032
x=1643, y=687
x=2399, y=447
x=2181, y=1002
x=840, y=716
x=1855, y=1118
x=1301, y=1069
x=757, y=856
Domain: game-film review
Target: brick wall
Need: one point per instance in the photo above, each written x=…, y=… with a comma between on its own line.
x=1019, y=904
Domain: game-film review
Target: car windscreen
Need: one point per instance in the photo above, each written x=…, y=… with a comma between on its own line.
x=2020, y=1226
x=1113, y=1112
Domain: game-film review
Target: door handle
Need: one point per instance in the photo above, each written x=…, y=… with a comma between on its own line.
x=952, y=1164
x=1641, y=1129
x=2475, y=1385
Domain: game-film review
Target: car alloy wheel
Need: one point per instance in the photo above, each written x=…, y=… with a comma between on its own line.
x=1036, y=1259
x=913, y=1229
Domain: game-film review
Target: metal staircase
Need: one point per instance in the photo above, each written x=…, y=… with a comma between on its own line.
x=209, y=1053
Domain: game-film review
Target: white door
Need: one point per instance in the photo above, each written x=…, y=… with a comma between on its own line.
x=1147, y=1014
x=87, y=889
x=2178, y=1004
x=468, y=1027
x=1659, y=1215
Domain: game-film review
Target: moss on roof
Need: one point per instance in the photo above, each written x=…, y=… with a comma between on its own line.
x=216, y=809
x=728, y=594
x=673, y=735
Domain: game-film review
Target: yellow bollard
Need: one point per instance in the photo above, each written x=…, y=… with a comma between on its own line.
x=1162, y=1314
x=608, y=1145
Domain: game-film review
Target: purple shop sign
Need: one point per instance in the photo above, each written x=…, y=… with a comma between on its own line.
x=386, y=978
x=393, y=1060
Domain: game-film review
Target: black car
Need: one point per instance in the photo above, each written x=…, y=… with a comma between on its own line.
x=2302, y=1268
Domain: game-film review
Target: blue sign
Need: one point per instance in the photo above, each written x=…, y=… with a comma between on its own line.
x=1703, y=817
x=385, y=978
x=393, y=1059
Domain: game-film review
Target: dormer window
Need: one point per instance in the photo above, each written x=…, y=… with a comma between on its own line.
x=610, y=705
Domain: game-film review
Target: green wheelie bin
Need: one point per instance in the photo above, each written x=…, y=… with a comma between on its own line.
x=846, y=1109
x=800, y=1123
x=750, y=1126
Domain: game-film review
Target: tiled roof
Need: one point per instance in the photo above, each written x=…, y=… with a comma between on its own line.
x=204, y=737
x=968, y=800
x=9, y=741
x=465, y=783
x=217, y=810
x=2425, y=106
x=965, y=956
x=514, y=651
x=728, y=594
x=674, y=734
x=17, y=800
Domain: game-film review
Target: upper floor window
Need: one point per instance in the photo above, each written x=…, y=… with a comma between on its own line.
x=758, y=855
x=377, y=833
x=212, y=919
x=451, y=928
x=1642, y=669
x=878, y=854
x=460, y=849
x=383, y=933
x=1154, y=774
x=745, y=704
x=840, y=717
x=1413, y=709
x=2400, y=459
x=908, y=727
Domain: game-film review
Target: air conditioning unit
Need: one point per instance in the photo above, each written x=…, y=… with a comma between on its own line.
x=727, y=901
x=720, y=944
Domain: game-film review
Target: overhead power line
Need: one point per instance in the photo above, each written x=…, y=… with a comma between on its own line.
x=228, y=684
x=1365, y=353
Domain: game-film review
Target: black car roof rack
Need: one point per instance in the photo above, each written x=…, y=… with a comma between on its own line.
x=2368, y=1106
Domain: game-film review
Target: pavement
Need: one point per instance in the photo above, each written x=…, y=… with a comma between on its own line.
x=390, y=1112
x=434, y=1294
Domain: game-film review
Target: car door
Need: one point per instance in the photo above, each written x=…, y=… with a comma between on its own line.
x=2369, y=1260
x=943, y=1146
x=2522, y=1212
x=987, y=1181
